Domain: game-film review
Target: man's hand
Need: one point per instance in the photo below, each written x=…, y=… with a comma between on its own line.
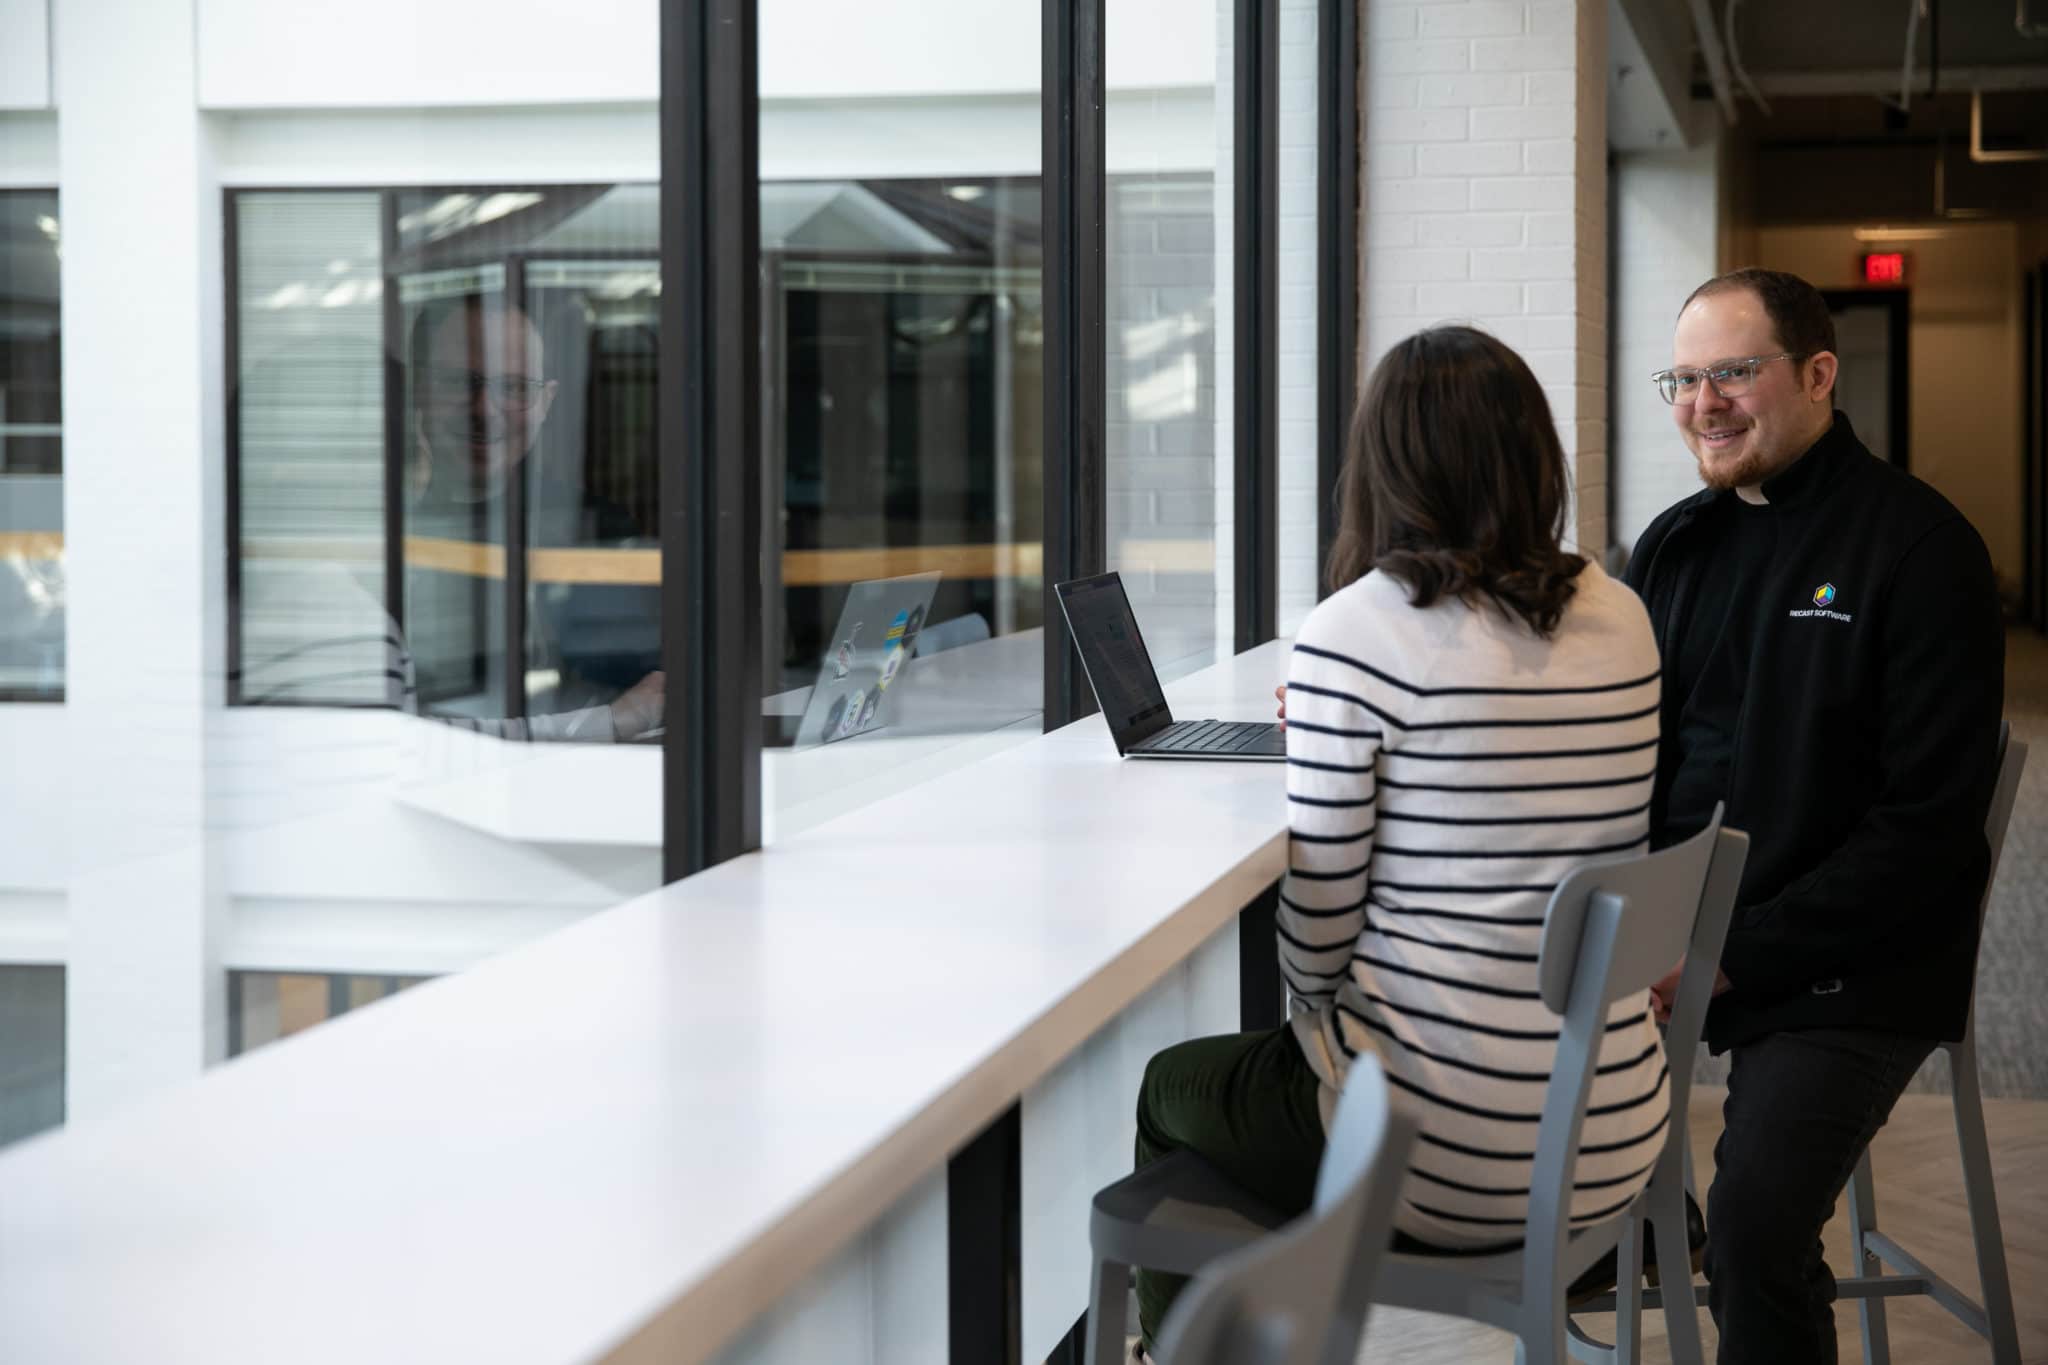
x=1280, y=694
x=640, y=707
x=1664, y=990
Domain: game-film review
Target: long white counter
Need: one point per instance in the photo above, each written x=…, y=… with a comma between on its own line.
x=631, y=1138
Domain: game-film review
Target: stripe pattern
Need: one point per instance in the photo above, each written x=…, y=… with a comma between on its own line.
x=1446, y=769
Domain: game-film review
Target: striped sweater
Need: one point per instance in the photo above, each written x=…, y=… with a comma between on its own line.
x=1446, y=769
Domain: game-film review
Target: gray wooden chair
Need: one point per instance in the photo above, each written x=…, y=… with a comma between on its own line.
x=1300, y=1295
x=1993, y=1318
x=1612, y=929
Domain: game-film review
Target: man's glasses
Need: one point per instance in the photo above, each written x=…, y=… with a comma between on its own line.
x=1730, y=379
x=512, y=393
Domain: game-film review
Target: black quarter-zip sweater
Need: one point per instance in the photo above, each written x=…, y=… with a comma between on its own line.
x=1858, y=749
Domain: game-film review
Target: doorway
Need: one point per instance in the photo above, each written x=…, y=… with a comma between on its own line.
x=1871, y=329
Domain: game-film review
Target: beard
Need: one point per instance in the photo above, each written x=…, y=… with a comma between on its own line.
x=1752, y=467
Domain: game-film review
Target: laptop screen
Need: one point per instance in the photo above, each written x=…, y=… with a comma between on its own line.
x=1126, y=687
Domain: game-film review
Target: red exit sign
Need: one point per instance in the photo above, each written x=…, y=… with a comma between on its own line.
x=1884, y=267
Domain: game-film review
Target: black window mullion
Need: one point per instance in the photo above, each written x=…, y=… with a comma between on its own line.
x=1255, y=319
x=397, y=448
x=709, y=427
x=1076, y=397
x=231, y=367
x=512, y=339
x=1336, y=259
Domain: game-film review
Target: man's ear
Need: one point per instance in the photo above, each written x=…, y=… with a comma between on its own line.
x=547, y=400
x=1820, y=382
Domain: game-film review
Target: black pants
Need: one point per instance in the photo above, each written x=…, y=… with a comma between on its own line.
x=1246, y=1102
x=1801, y=1108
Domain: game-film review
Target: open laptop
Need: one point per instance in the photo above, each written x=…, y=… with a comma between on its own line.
x=867, y=651
x=1127, y=688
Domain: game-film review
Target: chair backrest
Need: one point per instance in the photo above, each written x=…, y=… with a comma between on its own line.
x=2012, y=761
x=1612, y=929
x=1703, y=961
x=1300, y=1296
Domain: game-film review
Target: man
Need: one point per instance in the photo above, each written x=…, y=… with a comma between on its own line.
x=1833, y=671
x=479, y=398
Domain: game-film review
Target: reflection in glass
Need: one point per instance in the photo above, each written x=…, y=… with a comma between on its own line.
x=31, y=1050
x=31, y=451
x=266, y=1006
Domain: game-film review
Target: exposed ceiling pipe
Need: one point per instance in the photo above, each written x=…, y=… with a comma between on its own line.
x=1735, y=55
x=1884, y=82
x=1915, y=11
x=1710, y=48
x=1977, y=152
x=2029, y=28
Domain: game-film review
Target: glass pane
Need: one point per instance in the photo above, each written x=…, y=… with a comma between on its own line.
x=1300, y=291
x=31, y=451
x=903, y=327
x=1169, y=318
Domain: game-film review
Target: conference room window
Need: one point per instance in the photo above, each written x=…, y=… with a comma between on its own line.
x=31, y=1049
x=266, y=1006
x=31, y=450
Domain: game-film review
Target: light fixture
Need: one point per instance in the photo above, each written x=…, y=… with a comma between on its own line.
x=1902, y=234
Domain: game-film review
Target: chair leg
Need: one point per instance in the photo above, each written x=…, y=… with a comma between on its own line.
x=1681, y=1308
x=1983, y=1201
x=1108, y=1297
x=1877, y=1347
x=1628, y=1294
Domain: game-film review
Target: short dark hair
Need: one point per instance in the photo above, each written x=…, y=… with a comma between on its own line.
x=1455, y=481
x=1798, y=313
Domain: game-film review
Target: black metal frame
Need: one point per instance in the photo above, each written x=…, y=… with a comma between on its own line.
x=1337, y=265
x=1255, y=321
x=710, y=427
x=1075, y=202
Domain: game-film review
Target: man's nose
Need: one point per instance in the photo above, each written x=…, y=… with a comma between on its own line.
x=1709, y=398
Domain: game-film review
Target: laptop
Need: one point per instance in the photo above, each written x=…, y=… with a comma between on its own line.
x=866, y=652
x=1127, y=689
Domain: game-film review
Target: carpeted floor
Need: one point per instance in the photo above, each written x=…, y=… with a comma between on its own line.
x=2012, y=965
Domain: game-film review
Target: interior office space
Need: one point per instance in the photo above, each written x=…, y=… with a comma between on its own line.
x=390, y=401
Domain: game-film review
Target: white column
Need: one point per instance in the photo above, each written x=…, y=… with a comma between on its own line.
x=1486, y=197
x=1666, y=225
x=142, y=285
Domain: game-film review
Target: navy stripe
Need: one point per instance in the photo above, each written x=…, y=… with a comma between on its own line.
x=1617, y=719
x=1544, y=889
x=1385, y=932
x=1306, y=947
x=1501, y=991
x=1585, y=852
x=1358, y=871
x=1498, y=1073
x=1430, y=912
x=1355, y=907
x=1523, y=1192
x=1329, y=767
x=1330, y=805
x=1532, y=1035
x=1523, y=787
x=1597, y=1149
x=1513, y=754
x=1335, y=695
x=1294, y=969
x=1622, y=1106
x=1593, y=1217
x=1410, y=688
x=1333, y=730
x=1301, y=838
x=1590, y=818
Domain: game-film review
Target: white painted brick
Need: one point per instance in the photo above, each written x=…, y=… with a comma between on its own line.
x=1469, y=158
x=1559, y=296
x=1527, y=55
x=1555, y=20
x=1442, y=54
x=1537, y=263
x=1389, y=296
x=1471, y=92
x=1478, y=20
x=1420, y=125
x=1547, y=121
x=1552, y=87
x=1394, y=229
x=1471, y=229
x=1388, y=22
x=1395, y=162
x=1552, y=158
x=1423, y=196
x=1395, y=92
x=1477, y=301
x=1550, y=229
x=1422, y=265
x=1542, y=193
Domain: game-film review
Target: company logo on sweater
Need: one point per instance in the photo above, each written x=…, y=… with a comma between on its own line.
x=1823, y=598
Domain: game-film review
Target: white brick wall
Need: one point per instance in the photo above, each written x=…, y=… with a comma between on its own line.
x=1664, y=245
x=1485, y=197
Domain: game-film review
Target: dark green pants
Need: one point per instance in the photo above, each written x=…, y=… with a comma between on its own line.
x=1246, y=1102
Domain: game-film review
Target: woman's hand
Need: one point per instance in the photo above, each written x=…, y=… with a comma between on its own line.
x=1280, y=695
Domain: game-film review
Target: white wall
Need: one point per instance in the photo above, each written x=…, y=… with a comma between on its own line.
x=1666, y=210
x=24, y=54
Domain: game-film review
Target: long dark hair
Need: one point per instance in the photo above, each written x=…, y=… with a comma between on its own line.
x=1455, y=482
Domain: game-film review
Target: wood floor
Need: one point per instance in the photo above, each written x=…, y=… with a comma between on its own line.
x=1919, y=1202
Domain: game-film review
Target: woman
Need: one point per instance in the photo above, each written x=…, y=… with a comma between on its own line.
x=1470, y=714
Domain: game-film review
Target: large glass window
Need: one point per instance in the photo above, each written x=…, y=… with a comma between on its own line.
x=31, y=451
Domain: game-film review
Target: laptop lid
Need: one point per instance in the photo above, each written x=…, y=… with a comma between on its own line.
x=1113, y=652
x=867, y=650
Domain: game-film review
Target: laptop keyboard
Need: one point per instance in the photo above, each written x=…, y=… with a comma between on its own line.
x=1218, y=737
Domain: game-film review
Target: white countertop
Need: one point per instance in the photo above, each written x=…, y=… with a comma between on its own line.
x=630, y=1137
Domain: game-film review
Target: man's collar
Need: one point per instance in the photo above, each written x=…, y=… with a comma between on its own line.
x=1813, y=470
